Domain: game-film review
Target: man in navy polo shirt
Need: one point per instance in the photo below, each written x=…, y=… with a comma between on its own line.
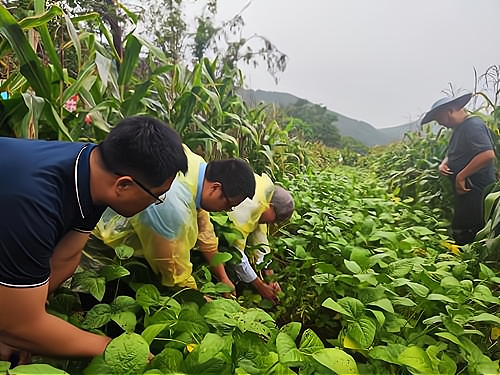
x=52, y=194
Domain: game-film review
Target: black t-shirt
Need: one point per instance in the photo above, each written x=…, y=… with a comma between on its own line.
x=44, y=193
x=469, y=139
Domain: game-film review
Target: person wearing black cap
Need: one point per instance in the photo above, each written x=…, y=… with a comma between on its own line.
x=469, y=163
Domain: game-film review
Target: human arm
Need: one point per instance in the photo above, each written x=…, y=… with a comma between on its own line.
x=208, y=245
x=478, y=162
x=66, y=258
x=24, y=324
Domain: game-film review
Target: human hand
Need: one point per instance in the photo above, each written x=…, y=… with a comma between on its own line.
x=230, y=284
x=267, y=291
x=444, y=169
x=460, y=184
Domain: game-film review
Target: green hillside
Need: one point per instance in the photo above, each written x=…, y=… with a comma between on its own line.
x=348, y=127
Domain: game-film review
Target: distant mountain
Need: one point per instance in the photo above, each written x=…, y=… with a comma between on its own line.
x=348, y=127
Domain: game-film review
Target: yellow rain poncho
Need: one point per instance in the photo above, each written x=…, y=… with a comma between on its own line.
x=167, y=232
x=245, y=218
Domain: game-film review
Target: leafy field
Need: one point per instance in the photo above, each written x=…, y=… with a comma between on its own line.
x=370, y=286
x=371, y=283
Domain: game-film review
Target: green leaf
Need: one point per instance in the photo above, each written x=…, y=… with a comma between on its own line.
x=220, y=258
x=113, y=272
x=292, y=329
x=98, y=316
x=168, y=360
x=30, y=65
x=352, y=266
x=36, y=369
x=90, y=282
x=287, y=351
x=337, y=361
x=4, y=366
x=449, y=336
x=417, y=359
x=384, y=304
x=130, y=60
x=419, y=289
x=389, y=353
x=74, y=39
x=440, y=297
x=351, y=307
x=152, y=331
x=310, y=342
x=362, y=331
x=125, y=319
x=147, y=296
x=124, y=252
x=127, y=354
x=403, y=301
x=422, y=231
x=449, y=282
x=485, y=317
x=124, y=303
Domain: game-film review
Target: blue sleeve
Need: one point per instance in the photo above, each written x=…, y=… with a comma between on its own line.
x=27, y=241
x=479, y=137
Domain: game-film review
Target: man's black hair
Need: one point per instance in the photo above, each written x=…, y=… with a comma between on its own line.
x=235, y=176
x=144, y=148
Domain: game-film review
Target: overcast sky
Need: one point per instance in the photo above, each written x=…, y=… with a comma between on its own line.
x=381, y=61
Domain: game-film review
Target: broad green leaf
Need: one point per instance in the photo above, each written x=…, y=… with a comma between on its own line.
x=352, y=266
x=287, y=350
x=422, y=231
x=440, y=297
x=449, y=336
x=98, y=316
x=127, y=354
x=292, y=329
x=337, y=361
x=417, y=359
x=152, y=331
x=450, y=282
x=485, y=317
x=168, y=361
x=124, y=252
x=379, y=315
x=36, y=369
x=403, y=301
x=384, y=304
x=351, y=307
x=147, y=296
x=210, y=346
x=91, y=283
x=310, y=342
x=419, y=289
x=389, y=353
x=447, y=366
x=362, y=330
x=124, y=303
x=220, y=258
x=112, y=272
x=125, y=319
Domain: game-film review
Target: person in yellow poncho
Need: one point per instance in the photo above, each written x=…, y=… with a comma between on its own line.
x=167, y=232
x=271, y=205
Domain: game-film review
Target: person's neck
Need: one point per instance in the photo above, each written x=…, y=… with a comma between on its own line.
x=97, y=175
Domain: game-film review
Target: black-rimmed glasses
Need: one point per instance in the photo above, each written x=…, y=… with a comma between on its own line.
x=158, y=199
